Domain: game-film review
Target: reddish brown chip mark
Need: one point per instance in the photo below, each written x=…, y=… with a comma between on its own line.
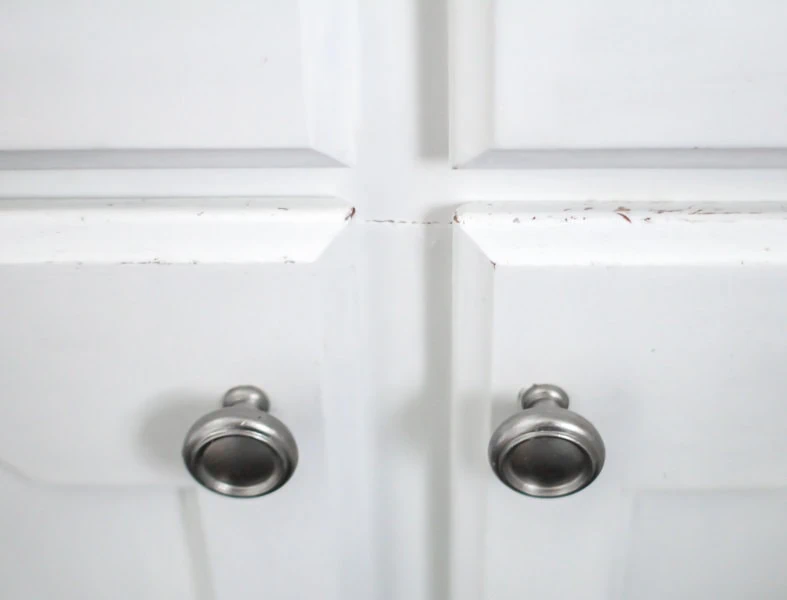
x=624, y=216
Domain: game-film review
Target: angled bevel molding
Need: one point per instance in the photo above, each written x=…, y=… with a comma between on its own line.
x=484, y=111
x=169, y=230
x=269, y=85
x=471, y=397
x=532, y=233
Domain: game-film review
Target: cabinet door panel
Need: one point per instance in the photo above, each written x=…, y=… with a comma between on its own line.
x=171, y=83
x=96, y=542
x=675, y=356
x=106, y=366
x=578, y=83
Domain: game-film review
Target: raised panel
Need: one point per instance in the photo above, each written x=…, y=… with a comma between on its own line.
x=574, y=83
x=672, y=346
x=176, y=84
x=138, y=352
x=91, y=542
x=110, y=357
x=139, y=311
x=719, y=544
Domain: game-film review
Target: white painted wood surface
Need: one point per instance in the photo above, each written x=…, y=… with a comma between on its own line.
x=370, y=350
x=116, y=231
x=572, y=83
x=105, y=366
x=672, y=352
x=71, y=542
x=171, y=83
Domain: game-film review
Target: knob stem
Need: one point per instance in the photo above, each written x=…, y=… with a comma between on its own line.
x=543, y=393
x=247, y=394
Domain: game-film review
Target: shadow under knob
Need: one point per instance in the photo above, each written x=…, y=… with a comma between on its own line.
x=240, y=450
x=546, y=450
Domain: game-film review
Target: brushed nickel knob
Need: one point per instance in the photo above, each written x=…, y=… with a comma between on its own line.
x=240, y=450
x=546, y=450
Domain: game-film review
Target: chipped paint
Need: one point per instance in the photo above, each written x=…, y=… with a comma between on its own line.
x=750, y=231
x=624, y=216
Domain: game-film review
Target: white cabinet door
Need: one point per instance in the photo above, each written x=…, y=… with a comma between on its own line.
x=153, y=255
x=144, y=314
x=667, y=328
x=581, y=83
x=168, y=83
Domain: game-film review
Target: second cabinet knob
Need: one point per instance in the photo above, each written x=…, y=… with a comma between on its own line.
x=546, y=450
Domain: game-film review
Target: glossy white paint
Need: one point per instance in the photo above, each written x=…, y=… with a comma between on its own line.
x=106, y=365
x=381, y=349
x=115, y=231
x=593, y=233
x=672, y=350
x=570, y=83
x=71, y=542
x=402, y=171
x=174, y=84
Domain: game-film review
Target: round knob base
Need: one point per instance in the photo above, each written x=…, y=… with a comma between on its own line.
x=240, y=450
x=546, y=450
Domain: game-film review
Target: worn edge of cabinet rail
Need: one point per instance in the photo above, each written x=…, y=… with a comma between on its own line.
x=604, y=233
x=164, y=231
